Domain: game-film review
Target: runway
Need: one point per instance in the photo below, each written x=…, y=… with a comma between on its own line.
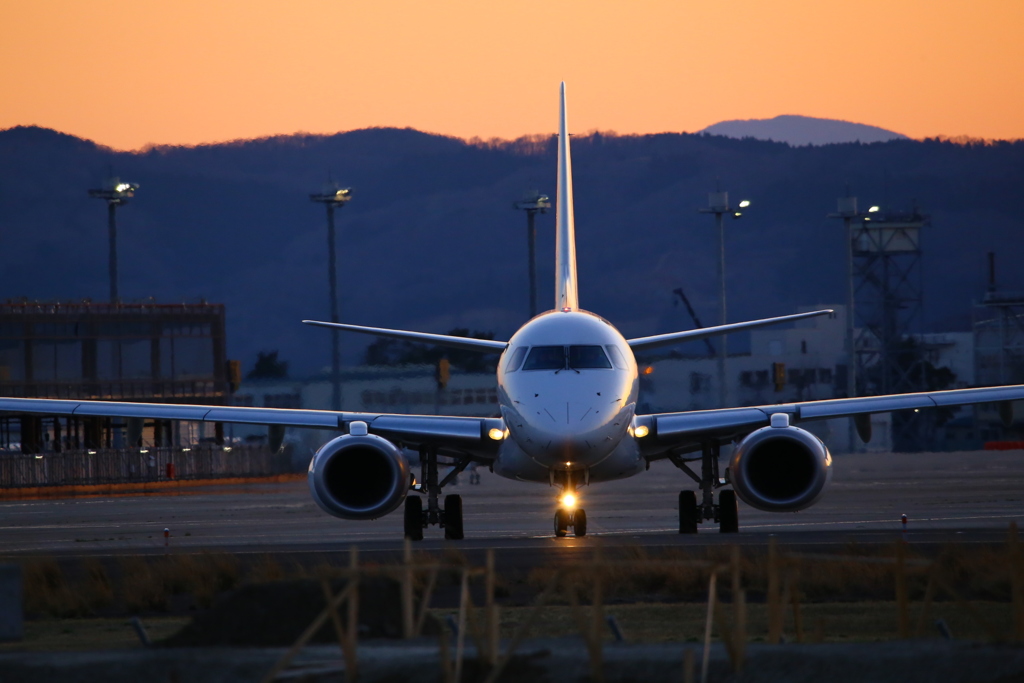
x=965, y=497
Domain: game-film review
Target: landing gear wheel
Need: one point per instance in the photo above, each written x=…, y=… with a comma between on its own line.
x=579, y=522
x=414, y=518
x=728, y=513
x=689, y=514
x=453, y=517
x=561, y=522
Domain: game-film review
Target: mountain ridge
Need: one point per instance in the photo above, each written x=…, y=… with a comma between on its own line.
x=794, y=129
x=430, y=240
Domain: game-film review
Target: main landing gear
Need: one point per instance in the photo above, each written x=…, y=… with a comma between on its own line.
x=725, y=513
x=450, y=516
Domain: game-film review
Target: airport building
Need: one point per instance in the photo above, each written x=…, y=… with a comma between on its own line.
x=150, y=353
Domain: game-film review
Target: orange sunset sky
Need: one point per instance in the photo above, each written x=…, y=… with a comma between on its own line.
x=128, y=74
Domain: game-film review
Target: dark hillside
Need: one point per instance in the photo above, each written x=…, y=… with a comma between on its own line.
x=431, y=241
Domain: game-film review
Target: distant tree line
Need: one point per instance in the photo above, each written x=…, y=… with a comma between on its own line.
x=392, y=352
x=268, y=366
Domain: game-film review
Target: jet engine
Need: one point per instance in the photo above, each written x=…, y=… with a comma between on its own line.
x=780, y=468
x=359, y=476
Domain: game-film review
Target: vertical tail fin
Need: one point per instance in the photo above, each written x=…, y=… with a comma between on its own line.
x=566, y=295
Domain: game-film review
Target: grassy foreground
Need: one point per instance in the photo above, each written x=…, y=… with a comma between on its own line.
x=64, y=635
x=678, y=622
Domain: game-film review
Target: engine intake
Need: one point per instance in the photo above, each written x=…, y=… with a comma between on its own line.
x=359, y=477
x=780, y=468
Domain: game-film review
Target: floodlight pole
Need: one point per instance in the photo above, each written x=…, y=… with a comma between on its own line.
x=533, y=203
x=112, y=230
x=531, y=237
x=333, y=197
x=723, y=347
x=848, y=212
x=718, y=204
x=114, y=193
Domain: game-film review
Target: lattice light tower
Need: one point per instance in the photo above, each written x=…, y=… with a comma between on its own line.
x=888, y=297
x=999, y=334
x=333, y=197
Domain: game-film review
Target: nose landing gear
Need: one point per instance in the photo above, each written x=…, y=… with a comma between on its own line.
x=568, y=515
x=576, y=519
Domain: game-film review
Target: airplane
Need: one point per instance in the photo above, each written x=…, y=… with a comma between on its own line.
x=567, y=388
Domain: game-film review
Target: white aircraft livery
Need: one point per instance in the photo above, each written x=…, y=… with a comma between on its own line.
x=567, y=388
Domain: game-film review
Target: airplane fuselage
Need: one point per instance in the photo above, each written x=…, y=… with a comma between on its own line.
x=567, y=389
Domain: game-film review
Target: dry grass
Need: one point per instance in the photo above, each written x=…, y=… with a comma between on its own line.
x=63, y=635
x=138, y=585
x=976, y=573
x=822, y=622
x=47, y=590
x=145, y=585
x=652, y=623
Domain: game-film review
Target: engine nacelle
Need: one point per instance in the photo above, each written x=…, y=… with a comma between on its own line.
x=780, y=468
x=359, y=477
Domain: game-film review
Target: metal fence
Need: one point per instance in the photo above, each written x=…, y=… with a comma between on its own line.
x=131, y=465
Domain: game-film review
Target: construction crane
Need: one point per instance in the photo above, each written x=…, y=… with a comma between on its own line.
x=678, y=291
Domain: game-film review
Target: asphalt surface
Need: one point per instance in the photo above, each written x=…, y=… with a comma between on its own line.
x=965, y=497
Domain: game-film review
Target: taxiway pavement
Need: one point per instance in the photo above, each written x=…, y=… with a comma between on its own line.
x=966, y=497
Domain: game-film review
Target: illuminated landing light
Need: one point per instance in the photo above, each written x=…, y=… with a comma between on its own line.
x=496, y=434
x=873, y=209
x=144, y=450
x=745, y=203
x=568, y=501
x=185, y=450
x=227, y=449
x=641, y=431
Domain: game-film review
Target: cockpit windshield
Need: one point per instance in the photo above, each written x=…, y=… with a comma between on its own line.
x=562, y=357
x=545, y=358
x=516, y=360
x=587, y=357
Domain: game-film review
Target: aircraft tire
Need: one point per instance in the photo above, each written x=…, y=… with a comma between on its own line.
x=414, y=518
x=689, y=514
x=579, y=522
x=561, y=522
x=728, y=513
x=453, y=517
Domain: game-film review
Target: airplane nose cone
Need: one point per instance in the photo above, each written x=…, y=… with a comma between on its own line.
x=572, y=430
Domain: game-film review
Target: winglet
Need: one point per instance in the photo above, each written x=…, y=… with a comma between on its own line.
x=566, y=296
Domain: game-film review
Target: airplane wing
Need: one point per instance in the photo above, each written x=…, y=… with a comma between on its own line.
x=471, y=433
x=468, y=343
x=642, y=343
x=679, y=428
